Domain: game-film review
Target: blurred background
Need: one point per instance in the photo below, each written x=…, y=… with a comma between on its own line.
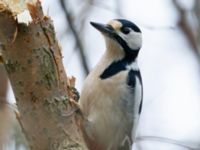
x=169, y=63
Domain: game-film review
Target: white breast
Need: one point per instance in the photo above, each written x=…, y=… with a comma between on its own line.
x=103, y=107
x=104, y=104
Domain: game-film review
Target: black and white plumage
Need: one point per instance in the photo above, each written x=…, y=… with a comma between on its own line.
x=111, y=97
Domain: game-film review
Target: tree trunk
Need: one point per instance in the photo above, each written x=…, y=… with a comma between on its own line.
x=44, y=94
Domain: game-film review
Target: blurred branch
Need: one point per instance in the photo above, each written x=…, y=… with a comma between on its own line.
x=76, y=37
x=87, y=8
x=104, y=5
x=84, y=13
x=118, y=7
x=197, y=12
x=165, y=140
x=5, y=112
x=185, y=26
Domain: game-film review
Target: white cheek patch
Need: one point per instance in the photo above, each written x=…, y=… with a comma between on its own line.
x=133, y=39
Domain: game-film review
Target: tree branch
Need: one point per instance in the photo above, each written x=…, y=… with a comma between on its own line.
x=197, y=13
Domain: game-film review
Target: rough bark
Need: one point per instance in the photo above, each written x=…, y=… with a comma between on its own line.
x=44, y=94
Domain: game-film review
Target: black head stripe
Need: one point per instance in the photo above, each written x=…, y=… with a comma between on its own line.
x=120, y=65
x=129, y=53
x=114, y=68
x=122, y=42
x=126, y=23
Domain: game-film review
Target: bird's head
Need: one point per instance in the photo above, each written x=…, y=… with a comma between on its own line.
x=121, y=35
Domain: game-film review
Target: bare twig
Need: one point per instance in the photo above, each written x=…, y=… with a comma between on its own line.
x=166, y=140
x=84, y=13
x=76, y=37
x=197, y=12
x=186, y=27
x=102, y=5
x=118, y=7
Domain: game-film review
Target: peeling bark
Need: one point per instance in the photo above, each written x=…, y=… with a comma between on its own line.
x=44, y=94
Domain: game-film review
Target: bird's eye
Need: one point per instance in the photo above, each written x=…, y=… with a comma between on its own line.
x=125, y=30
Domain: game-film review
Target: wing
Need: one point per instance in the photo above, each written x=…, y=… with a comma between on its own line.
x=134, y=82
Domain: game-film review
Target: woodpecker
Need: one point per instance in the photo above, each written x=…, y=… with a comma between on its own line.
x=111, y=97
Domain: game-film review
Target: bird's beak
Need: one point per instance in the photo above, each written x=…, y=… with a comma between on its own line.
x=105, y=29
